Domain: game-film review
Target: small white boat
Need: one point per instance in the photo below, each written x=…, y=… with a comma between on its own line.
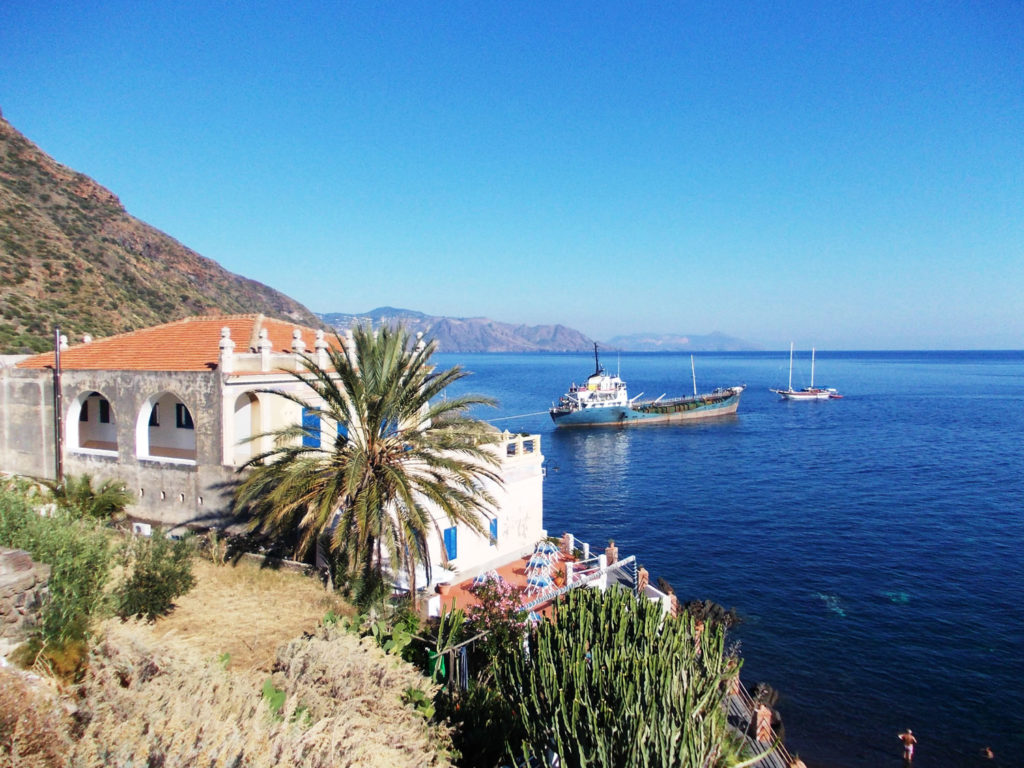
x=807, y=393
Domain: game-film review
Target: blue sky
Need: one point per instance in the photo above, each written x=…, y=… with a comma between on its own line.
x=843, y=175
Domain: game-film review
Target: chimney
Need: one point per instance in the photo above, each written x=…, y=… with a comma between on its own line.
x=350, y=347
x=321, y=349
x=298, y=349
x=264, y=347
x=227, y=351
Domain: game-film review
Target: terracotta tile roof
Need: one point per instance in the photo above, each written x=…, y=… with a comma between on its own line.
x=192, y=344
x=515, y=573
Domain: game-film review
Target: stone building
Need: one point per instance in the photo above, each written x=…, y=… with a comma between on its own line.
x=175, y=410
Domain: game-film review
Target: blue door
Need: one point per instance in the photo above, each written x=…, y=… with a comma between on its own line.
x=311, y=425
x=451, y=543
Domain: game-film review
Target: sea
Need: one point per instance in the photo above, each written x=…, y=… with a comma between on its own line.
x=873, y=546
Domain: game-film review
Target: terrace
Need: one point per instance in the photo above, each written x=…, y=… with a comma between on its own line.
x=553, y=568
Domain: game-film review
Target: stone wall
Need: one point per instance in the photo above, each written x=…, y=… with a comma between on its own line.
x=23, y=589
x=165, y=492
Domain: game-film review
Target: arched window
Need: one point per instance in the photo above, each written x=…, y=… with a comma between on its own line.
x=91, y=427
x=247, y=424
x=165, y=430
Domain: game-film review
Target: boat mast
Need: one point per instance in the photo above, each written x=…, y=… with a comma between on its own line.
x=790, y=366
x=812, y=367
x=693, y=372
x=597, y=363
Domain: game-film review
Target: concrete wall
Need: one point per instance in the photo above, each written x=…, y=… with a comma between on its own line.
x=168, y=490
x=26, y=423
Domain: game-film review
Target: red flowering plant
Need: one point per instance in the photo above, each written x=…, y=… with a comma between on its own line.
x=500, y=615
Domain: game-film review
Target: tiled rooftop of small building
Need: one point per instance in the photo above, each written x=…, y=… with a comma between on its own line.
x=191, y=344
x=517, y=574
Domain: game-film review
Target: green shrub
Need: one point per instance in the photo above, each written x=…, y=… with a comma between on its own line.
x=614, y=682
x=158, y=570
x=79, y=554
x=76, y=494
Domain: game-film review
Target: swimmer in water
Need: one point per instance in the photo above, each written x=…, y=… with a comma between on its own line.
x=907, y=737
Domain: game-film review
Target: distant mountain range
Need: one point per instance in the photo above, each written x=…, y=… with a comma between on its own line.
x=470, y=334
x=481, y=334
x=71, y=256
x=712, y=342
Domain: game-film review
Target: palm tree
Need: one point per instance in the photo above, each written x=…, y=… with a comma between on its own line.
x=107, y=502
x=403, y=458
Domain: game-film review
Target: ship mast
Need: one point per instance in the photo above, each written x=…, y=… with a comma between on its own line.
x=597, y=363
x=791, y=366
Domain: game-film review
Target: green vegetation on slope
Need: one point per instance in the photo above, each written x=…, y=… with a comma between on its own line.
x=82, y=553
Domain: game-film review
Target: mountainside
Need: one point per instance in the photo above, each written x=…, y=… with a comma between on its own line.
x=475, y=334
x=70, y=255
x=481, y=334
x=652, y=342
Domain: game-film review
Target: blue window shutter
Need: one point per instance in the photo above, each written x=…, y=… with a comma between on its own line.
x=311, y=423
x=494, y=531
x=451, y=543
x=342, y=432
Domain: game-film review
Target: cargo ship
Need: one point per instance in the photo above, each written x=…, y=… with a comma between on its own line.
x=603, y=400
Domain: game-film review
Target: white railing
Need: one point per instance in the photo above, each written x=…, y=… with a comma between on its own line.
x=582, y=581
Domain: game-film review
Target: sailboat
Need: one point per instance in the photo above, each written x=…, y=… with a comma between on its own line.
x=807, y=393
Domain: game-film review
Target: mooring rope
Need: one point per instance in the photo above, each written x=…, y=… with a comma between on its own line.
x=520, y=416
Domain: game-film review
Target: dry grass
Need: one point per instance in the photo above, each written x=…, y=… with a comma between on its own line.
x=158, y=694
x=245, y=611
x=33, y=725
x=172, y=708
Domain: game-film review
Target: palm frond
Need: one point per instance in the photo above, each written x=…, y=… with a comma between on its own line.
x=407, y=458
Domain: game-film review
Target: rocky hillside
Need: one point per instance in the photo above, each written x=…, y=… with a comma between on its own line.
x=480, y=334
x=475, y=334
x=70, y=255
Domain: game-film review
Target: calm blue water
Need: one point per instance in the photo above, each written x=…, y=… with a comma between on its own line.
x=873, y=544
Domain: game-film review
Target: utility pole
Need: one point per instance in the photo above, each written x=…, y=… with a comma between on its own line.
x=58, y=410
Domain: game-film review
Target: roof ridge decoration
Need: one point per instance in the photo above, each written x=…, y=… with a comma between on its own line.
x=254, y=335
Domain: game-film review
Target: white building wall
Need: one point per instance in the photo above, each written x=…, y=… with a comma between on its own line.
x=519, y=510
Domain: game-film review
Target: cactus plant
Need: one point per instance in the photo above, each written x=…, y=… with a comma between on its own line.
x=613, y=681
